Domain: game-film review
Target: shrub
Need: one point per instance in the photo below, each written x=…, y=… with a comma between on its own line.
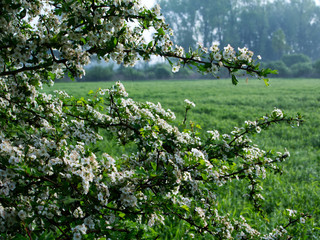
x=292, y=59
x=161, y=71
x=316, y=68
x=126, y=73
x=304, y=69
x=98, y=73
x=280, y=66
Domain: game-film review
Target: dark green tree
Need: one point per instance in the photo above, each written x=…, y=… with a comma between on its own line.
x=279, y=43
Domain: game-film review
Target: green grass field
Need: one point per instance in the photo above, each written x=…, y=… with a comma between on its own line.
x=221, y=106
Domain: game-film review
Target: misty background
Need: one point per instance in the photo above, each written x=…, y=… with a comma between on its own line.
x=285, y=33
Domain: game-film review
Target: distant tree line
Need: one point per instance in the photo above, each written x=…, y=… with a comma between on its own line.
x=282, y=32
x=157, y=71
x=270, y=28
x=293, y=65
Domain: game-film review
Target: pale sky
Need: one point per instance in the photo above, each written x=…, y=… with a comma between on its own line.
x=150, y=3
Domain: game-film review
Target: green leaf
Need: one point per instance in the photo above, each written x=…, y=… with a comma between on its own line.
x=204, y=176
x=154, y=166
x=185, y=207
x=235, y=81
x=52, y=75
x=267, y=71
x=70, y=75
x=68, y=200
x=156, y=128
x=83, y=40
x=202, y=162
x=23, y=13
x=115, y=41
x=266, y=81
x=146, y=24
x=150, y=44
x=161, y=32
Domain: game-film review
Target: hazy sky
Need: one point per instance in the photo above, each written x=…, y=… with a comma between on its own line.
x=149, y=3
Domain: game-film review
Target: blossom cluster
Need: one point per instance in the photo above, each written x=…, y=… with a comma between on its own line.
x=53, y=179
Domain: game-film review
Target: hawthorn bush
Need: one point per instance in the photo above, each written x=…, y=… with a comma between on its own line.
x=54, y=185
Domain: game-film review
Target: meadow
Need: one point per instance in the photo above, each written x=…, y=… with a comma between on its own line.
x=222, y=106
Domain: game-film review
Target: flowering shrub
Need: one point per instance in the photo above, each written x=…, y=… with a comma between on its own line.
x=53, y=182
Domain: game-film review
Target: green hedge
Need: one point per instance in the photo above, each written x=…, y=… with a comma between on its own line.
x=295, y=65
x=156, y=71
x=290, y=66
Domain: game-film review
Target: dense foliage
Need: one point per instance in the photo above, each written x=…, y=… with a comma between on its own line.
x=54, y=184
